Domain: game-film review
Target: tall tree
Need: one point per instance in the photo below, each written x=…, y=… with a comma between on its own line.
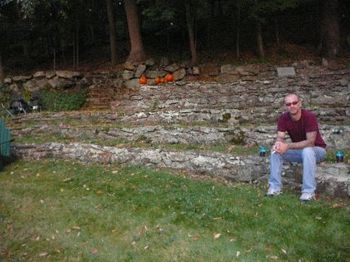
x=263, y=9
x=112, y=31
x=190, y=19
x=4, y=39
x=330, y=35
x=2, y=73
x=259, y=19
x=259, y=39
x=238, y=28
x=137, y=52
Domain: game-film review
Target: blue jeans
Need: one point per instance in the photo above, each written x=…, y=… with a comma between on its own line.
x=308, y=156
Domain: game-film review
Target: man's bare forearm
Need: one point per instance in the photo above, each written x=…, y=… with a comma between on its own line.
x=301, y=144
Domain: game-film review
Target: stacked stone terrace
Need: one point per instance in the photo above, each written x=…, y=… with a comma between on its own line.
x=238, y=107
x=253, y=98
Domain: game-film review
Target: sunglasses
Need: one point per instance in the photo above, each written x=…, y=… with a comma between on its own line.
x=292, y=103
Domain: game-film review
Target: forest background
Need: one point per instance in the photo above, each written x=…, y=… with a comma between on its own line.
x=86, y=34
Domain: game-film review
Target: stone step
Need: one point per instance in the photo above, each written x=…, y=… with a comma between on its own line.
x=243, y=101
x=336, y=137
x=99, y=96
x=332, y=179
x=99, y=101
x=96, y=107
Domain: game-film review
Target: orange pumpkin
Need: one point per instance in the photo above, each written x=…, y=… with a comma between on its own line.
x=169, y=77
x=143, y=80
x=157, y=80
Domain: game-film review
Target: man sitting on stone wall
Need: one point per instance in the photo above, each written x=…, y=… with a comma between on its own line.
x=307, y=147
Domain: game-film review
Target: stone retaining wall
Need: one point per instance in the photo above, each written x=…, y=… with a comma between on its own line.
x=332, y=179
x=244, y=94
x=258, y=101
x=336, y=137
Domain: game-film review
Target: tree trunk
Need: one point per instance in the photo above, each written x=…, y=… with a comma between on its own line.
x=330, y=35
x=137, y=53
x=54, y=59
x=190, y=28
x=259, y=40
x=73, y=56
x=112, y=32
x=210, y=24
x=77, y=54
x=277, y=31
x=76, y=47
x=220, y=9
x=2, y=74
x=238, y=30
x=25, y=48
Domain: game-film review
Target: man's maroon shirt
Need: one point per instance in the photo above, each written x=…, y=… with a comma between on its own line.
x=297, y=129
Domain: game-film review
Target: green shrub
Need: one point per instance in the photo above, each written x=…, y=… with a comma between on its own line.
x=62, y=101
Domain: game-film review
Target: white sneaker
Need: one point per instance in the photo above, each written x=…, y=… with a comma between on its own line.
x=273, y=192
x=306, y=196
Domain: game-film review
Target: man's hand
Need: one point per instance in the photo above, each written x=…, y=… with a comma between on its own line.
x=280, y=147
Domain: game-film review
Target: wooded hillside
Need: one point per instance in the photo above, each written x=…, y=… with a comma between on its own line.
x=60, y=33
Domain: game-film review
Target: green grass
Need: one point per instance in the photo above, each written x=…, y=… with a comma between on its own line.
x=66, y=211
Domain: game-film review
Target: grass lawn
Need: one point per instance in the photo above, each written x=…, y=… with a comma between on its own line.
x=67, y=211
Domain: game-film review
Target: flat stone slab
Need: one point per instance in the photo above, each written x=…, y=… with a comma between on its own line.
x=285, y=71
x=332, y=179
x=336, y=137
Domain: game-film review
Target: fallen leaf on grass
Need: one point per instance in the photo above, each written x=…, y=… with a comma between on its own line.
x=238, y=253
x=196, y=237
x=284, y=251
x=336, y=205
x=43, y=254
x=217, y=235
x=159, y=228
x=143, y=230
